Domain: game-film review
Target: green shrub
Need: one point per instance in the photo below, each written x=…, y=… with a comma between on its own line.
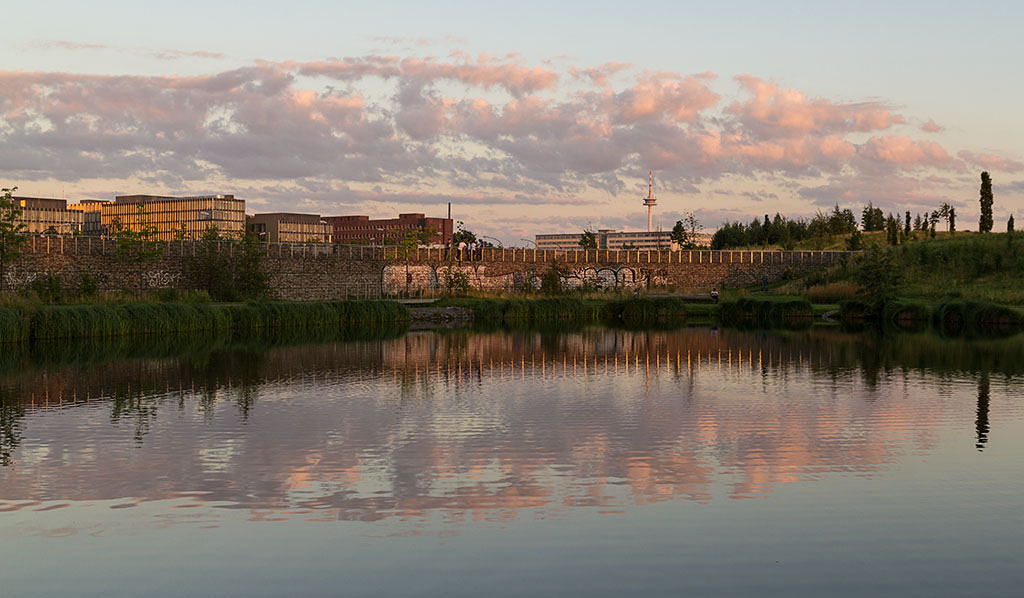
x=902, y=311
x=767, y=311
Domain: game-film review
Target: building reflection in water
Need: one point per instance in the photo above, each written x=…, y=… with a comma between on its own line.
x=479, y=426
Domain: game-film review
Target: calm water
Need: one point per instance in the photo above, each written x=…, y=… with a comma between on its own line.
x=595, y=463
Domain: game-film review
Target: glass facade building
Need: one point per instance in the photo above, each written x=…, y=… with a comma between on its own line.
x=176, y=217
x=290, y=228
x=41, y=215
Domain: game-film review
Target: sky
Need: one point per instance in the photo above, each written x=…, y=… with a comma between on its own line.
x=529, y=117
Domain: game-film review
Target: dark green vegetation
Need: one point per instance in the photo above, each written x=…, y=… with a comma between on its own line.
x=686, y=232
x=634, y=311
x=229, y=269
x=985, y=221
x=767, y=311
x=968, y=266
x=11, y=238
x=816, y=233
x=49, y=322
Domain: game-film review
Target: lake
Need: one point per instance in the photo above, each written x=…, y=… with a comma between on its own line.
x=595, y=462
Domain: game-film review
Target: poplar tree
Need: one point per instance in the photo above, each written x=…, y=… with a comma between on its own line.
x=985, y=222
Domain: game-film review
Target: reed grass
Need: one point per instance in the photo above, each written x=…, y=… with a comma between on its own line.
x=54, y=322
x=13, y=325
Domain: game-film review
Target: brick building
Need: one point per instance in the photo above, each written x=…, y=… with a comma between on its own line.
x=360, y=229
x=280, y=227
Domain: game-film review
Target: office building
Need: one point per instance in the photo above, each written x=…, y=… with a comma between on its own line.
x=92, y=222
x=360, y=229
x=42, y=215
x=176, y=217
x=282, y=227
x=611, y=239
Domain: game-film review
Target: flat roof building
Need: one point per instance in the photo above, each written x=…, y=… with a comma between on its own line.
x=92, y=221
x=282, y=227
x=611, y=239
x=42, y=215
x=176, y=217
x=361, y=229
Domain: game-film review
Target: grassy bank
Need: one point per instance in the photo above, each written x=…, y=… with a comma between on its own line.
x=767, y=311
x=949, y=315
x=56, y=322
x=985, y=268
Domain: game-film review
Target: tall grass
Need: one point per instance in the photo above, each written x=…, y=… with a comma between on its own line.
x=252, y=317
x=13, y=325
x=105, y=321
x=54, y=322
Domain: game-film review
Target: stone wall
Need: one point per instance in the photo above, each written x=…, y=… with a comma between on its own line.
x=316, y=272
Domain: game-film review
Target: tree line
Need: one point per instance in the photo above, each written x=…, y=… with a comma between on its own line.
x=822, y=229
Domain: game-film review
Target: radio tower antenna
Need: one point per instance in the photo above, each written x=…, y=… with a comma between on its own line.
x=650, y=202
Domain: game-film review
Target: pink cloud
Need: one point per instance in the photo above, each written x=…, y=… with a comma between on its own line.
x=932, y=127
x=774, y=111
x=658, y=97
x=990, y=161
x=599, y=75
x=515, y=78
x=904, y=151
x=547, y=138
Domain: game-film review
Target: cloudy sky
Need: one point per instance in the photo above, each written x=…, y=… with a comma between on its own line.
x=528, y=116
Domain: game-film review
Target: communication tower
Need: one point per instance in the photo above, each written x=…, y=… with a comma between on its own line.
x=650, y=201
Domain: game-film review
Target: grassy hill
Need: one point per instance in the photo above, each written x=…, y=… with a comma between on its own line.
x=981, y=267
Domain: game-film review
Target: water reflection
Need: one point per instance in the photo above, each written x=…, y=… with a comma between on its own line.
x=981, y=424
x=485, y=427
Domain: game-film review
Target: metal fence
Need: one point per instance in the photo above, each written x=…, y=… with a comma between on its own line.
x=82, y=245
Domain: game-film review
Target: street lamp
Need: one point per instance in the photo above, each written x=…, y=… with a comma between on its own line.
x=500, y=244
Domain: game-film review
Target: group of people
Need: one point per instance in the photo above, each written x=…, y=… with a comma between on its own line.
x=466, y=250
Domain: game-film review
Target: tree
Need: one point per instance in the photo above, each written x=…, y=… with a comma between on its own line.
x=462, y=235
x=1009, y=224
x=11, y=237
x=686, y=231
x=139, y=246
x=952, y=220
x=251, y=278
x=210, y=268
x=872, y=218
x=425, y=235
x=985, y=222
x=407, y=246
x=879, y=276
x=906, y=225
x=856, y=240
x=588, y=240
x=551, y=280
x=892, y=230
